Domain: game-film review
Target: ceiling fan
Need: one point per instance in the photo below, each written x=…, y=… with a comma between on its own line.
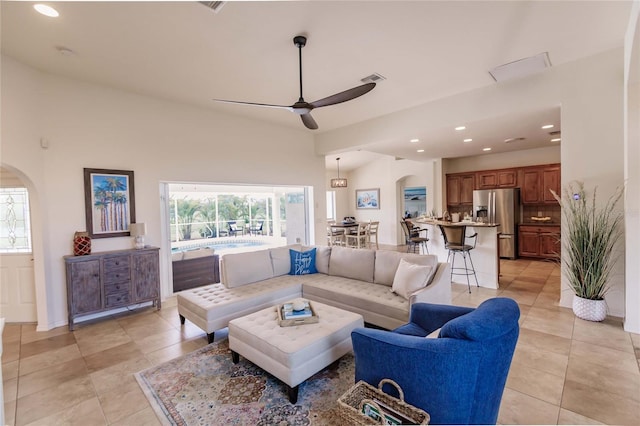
x=303, y=108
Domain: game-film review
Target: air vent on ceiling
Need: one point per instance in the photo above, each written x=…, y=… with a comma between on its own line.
x=373, y=78
x=214, y=5
x=521, y=67
x=510, y=140
x=555, y=133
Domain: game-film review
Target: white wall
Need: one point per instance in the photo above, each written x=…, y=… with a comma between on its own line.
x=590, y=92
x=529, y=157
x=98, y=127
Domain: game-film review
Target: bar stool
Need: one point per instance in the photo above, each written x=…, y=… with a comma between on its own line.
x=455, y=237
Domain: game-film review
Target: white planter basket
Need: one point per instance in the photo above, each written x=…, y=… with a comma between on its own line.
x=590, y=310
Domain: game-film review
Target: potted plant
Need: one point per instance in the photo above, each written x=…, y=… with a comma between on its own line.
x=590, y=235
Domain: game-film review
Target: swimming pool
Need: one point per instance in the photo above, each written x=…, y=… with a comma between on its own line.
x=222, y=246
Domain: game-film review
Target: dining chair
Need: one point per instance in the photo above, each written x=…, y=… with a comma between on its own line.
x=335, y=236
x=359, y=237
x=373, y=234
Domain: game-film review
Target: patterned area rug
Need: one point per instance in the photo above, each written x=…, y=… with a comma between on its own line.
x=206, y=388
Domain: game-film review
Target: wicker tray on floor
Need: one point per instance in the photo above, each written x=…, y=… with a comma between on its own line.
x=362, y=397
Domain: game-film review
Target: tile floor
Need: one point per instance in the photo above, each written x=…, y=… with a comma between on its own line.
x=564, y=371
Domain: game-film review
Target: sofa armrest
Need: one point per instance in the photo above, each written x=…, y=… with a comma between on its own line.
x=439, y=291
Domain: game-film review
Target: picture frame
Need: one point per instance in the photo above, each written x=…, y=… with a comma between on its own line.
x=109, y=197
x=368, y=199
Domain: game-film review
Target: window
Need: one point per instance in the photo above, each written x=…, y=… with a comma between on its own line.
x=15, y=223
x=331, y=205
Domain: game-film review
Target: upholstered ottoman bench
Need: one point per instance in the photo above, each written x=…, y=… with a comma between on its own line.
x=293, y=354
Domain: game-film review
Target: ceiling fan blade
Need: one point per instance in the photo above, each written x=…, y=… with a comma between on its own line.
x=308, y=121
x=347, y=95
x=254, y=104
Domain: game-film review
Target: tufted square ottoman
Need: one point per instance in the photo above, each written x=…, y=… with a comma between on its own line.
x=293, y=354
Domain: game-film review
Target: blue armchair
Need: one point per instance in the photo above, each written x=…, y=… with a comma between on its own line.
x=459, y=377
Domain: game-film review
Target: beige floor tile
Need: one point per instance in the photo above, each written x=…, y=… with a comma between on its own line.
x=522, y=297
x=537, y=340
x=10, y=389
x=541, y=359
x=603, y=356
x=86, y=413
x=89, y=345
x=53, y=400
x=520, y=409
x=43, y=345
x=546, y=299
x=10, y=351
x=174, y=351
x=122, y=402
x=11, y=333
x=112, y=377
x=599, y=405
x=160, y=340
x=547, y=321
x=49, y=359
x=144, y=325
x=623, y=382
x=29, y=333
x=536, y=383
x=144, y=417
x=607, y=333
x=10, y=413
x=112, y=356
x=51, y=377
x=570, y=418
x=10, y=369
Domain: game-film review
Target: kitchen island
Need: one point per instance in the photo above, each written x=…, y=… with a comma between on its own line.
x=485, y=255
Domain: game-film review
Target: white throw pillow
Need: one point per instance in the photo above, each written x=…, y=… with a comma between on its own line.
x=409, y=278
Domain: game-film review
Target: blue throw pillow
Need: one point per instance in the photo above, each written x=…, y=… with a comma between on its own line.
x=303, y=262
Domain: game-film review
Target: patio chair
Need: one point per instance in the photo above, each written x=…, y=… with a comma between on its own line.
x=234, y=228
x=257, y=228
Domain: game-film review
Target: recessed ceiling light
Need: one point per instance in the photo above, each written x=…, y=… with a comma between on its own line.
x=486, y=149
x=460, y=127
x=555, y=140
x=420, y=150
x=547, y=126
x=467, y=140
x=414, y=140
x=46, y=10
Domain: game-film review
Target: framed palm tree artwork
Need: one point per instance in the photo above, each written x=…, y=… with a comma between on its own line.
x=109, y=202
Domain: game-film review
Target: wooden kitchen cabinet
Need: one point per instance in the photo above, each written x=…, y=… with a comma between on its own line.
x=537, y=183
x=492, y=179
x=103, y=281
x=539, y=241
x=460, y=188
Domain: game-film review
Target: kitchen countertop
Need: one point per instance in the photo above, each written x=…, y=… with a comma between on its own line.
x=461, y=223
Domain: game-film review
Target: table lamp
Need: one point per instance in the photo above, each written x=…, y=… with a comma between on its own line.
x=138, y=231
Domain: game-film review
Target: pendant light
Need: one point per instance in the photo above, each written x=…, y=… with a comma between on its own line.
x=339, y=182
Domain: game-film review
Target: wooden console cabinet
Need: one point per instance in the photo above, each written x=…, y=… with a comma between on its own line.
x=114, y=279
x=539, y=241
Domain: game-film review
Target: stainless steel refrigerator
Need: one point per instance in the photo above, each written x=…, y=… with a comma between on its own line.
x=501, y=206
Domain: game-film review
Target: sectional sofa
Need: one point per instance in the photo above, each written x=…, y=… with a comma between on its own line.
x=380, y=285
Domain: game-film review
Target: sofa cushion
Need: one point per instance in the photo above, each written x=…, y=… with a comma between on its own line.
x=410, y=278
x=281, y=260
x=357, y=264
x=387, y=263
x=323, y=254
x=303, y=262
x=245, y=268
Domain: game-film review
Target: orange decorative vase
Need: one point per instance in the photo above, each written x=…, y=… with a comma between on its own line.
x=81, y=243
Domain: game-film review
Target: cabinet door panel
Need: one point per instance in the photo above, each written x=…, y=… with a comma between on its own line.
x=145, y=276
x=453, y=190
x=550, y=245
x=530, y=187
x=507, y=179
x=487, y=180
x=467, y=185
x=529, y=244
x=550, y=181
x=86, y=292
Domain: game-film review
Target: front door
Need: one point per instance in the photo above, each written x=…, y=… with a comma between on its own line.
x=17, y=282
